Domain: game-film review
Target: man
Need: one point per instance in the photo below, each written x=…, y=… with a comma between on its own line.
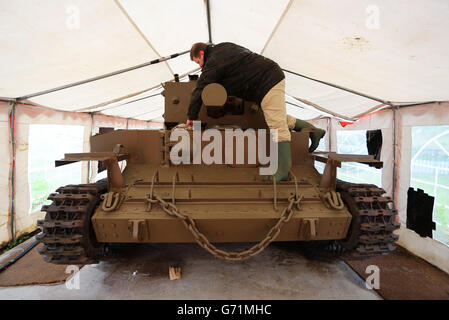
x=249, y=76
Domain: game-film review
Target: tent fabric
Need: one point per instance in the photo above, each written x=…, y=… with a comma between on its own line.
x=5, y=162
x=380, y=120
x=434, y=114
x=25, y=116
x=247, y=23
x=30, y=115
x=101, y=120
x=406, y=118
x=300, y=110
x=426, y=248
x=148, y=108
x=46, y=48
x=94, y=93
x=129, y=99
x=170, y=28
x=390, y=50
x=336, y=101
x=398, y=59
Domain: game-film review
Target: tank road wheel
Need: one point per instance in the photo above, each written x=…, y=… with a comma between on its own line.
x=67, y=232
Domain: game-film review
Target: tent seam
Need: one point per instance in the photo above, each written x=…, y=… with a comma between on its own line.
x=209, y=26
x=12, y=167
x=341, y=88
x=120, y=105
x=103, y=104
x=146, y=112
x=141, y=33
x=319, y=108
x=277, y=25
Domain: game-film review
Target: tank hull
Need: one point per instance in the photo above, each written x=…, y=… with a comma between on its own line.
x=228, y=204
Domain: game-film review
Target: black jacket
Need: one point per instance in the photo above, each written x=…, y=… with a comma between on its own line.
x=243, y=73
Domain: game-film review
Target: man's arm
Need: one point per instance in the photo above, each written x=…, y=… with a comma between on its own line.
x=208, y=75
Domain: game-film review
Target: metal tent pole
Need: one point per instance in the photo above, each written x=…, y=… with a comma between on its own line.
x=128, y=102
x=101, y=77
x=394, y=154
x=209, y=28
x=12, y=177
x=342, y=88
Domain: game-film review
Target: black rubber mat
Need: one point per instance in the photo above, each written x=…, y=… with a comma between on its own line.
x=32, y=269
x=404, y=276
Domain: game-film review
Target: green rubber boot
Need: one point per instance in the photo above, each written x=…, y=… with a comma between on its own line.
x=314, y=136
x=284, y=162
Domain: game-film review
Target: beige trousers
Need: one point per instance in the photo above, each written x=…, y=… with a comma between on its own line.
x=291, y=122
x=274, y=111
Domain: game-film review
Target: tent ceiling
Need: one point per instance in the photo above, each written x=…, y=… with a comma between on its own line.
x=248, y=23
x=404, y=60
x=170, y=27
x=400, y=57
x=42, y=47
x=340, y=102
x=141, y=107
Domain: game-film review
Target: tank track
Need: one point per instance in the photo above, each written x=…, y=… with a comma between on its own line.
x=67, y=232
x=374, y=220
x=68, y=237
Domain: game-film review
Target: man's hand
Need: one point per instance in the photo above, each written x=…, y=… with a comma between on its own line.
x=189, y=122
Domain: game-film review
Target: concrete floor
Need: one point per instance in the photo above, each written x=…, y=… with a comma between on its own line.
x=282, y=271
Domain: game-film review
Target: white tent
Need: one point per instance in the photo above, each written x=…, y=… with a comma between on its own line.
x=380, y=63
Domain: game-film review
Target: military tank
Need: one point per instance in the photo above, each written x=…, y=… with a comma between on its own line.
x=154, y=200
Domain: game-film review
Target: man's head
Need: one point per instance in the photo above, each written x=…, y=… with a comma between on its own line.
x=197, y=53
